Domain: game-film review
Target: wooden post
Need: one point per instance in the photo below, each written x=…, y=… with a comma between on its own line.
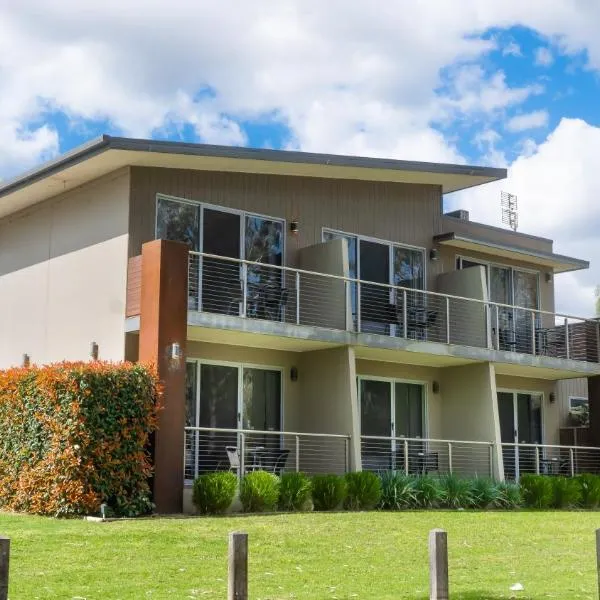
x=438, y=565
x=4, y=556
x=238, y=566
x=597, y=559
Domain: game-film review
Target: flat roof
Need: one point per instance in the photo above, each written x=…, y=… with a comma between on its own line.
x=108, y=153
x=557, y=262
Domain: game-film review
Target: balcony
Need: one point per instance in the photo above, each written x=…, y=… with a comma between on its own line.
x=233, y=294
x=242, y=451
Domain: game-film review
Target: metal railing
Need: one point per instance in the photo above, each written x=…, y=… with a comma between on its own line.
x=254, y=290
x=244, y=450
x=420, y=456
x=210, y=449
x=544, y=459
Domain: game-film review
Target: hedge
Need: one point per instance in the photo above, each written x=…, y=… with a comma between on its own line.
x=75, y=435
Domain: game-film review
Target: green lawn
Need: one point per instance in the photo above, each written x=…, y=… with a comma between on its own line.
x=304, y=556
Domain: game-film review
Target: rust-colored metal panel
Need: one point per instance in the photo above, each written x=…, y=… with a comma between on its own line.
x=163, y=322
x=134, y=286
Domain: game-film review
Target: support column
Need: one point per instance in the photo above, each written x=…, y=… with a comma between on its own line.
x=594, y=400
x=163, y=322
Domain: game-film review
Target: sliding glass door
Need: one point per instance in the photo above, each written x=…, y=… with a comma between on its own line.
x=520, y=423
x=216, y=284
x=231, y=396
x=380, y=262
x=390, y=409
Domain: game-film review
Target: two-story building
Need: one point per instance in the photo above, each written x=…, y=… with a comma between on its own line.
x=306, y=311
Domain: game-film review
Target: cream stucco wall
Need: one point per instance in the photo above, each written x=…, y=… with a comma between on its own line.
x=470, y=412
x=329, y=404
x=325, y=301
x=63, y=269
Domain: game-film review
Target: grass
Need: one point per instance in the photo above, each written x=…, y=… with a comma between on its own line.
x=375, y=556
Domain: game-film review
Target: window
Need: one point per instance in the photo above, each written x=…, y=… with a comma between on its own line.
x=579, y=411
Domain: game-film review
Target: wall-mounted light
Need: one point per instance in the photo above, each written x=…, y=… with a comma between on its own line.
x=434, y=254
x=552, y=397
x=94, y=350
x=175, y=351
x=26, y=360
x=294, y=374
x=548, y=277
x=294, y=227
x=435, y=387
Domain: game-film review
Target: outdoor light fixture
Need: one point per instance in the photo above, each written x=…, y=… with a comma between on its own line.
x=434, y=254
x=435, y=387
x=175, y=351
x=94, y=351
x=552, y=397
x=294, y=227
x=548, y=277
x=294, y=374
x=26, y=360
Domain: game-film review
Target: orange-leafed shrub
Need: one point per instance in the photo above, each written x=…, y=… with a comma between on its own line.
x=75, y=435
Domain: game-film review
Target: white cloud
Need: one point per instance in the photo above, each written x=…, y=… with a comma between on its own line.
x=357, y=77
x=512, y=49
x=557, y=190
x=543, y=57
x=532, y=120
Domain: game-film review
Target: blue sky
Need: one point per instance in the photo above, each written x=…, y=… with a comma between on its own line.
x=509, y=84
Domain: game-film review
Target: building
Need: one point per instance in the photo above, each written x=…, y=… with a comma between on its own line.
x=325, y=302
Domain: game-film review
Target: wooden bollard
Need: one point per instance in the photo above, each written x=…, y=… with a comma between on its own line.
x=438, y=565
x=238, y=566
x=4, y=557
x=597, y=559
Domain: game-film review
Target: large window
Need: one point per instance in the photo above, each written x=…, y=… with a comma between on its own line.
x=380, y=262
x=230, y=234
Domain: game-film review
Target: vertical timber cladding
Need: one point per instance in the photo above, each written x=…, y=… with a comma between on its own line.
x=163, y=322
x=397, y=212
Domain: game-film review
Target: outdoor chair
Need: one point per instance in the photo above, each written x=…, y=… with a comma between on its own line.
x=280, y=460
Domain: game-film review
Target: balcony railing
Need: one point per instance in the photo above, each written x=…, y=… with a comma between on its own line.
x=244, y=450
x=254, y=290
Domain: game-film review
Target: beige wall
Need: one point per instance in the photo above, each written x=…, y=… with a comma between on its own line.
x=329, y=405
x=397, y=212
x=468, y=320
x=550, y=411
x=325, y=302
x=470, y=412
x=63, y=266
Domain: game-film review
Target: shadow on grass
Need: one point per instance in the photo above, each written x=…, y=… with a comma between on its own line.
x=484, y=596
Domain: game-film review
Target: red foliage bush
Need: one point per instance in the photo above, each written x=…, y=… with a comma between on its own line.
x=75, y=435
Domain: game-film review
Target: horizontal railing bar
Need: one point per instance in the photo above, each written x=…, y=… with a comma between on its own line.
x=433, y=440
x=263, y=432
x=391, y=286
x=515, y=445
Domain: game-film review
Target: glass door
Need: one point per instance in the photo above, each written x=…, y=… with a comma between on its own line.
x=376, y=420
x=221, y=284
x=261, y=409
x=526, y=296
x=263, y=244
x=217, y=408
x=408, y=423
x=520, y=422
x=501, y=293
x=508, y=433
x=375, y=299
